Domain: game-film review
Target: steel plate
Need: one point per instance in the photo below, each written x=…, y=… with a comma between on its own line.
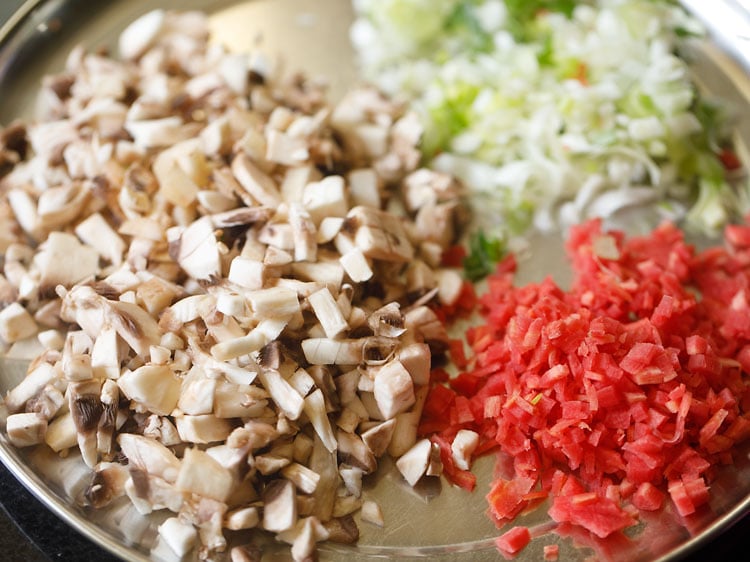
x=434, y=520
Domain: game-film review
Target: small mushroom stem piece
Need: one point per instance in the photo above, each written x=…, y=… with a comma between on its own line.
x=315, y=409
x=413, y=463
x=328, y=312
x=109, y=398
x=279, y=506
x=283, y=394
x=25, y=430
x=86, y=408
x=179, y=535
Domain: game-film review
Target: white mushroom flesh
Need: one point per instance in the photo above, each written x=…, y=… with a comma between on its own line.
x=209, y=258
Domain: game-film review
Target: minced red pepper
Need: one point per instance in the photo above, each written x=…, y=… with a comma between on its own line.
x=629, y=386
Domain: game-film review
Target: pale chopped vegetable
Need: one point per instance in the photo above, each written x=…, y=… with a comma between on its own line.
x=556, y=111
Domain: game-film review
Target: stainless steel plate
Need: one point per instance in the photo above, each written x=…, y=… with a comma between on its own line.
x=435, y=520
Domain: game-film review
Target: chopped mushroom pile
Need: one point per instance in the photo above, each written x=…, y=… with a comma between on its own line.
x=227, y=286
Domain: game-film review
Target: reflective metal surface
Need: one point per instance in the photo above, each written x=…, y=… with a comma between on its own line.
x=434, y=521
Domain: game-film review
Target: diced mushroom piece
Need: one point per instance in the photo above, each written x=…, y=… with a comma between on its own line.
x=328, y=313
x=325, y=351
x=346, y=505
x=196, y=250
x=283, y=394
x=356, y=266
x=86, y=407
x=63, y=260
x=304, y=479
x=149, y=493
x=106, y=354
x=16, y=323
x=202, y=475
x=286, y=149
x=304, y=233
x=342, y=530
x=364, y=189
x=59, y=206
x=277, y=235
x=47, y=403
x=275, y=302
x=155, y=295
x=424, y=322
x=372, y=513
x=270, y=464
x=210, y=516
x=378, y=234
x=416, y=359
x=450, y=285
x=156, y=133
x=234, y=69
x=150, y=456
x=242, y=518
x=404, y=434
x=348, y=420
x=107, y=484
x=77, y=367
x=24, y=210
x=387, y=321
x=109, y=399
x=257, y=183
x=197, y=394
x=279, y=506
x=295, y=180
x=378, y=437
x=463, y=447
x=353, y=451
x=135, y=326
x=420, y=277
x=413, y=464
x=325, y=198
x=34, y=382
x=303, y=537
x=61, y=433
x=237, y=347
x=140, y=34
x=179, y=535
x=154, y=386
x=314, y=406
x=247, y=273
x=329, y=273
x=435, y=223
x=238, y=401
x=202, y=428
x=393, y=389
x=25, y=430
x=96, y=232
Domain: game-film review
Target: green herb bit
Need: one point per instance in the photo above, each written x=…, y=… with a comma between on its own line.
x=484, y=253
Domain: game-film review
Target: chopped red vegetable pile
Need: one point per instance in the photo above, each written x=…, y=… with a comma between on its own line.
x=630, y=386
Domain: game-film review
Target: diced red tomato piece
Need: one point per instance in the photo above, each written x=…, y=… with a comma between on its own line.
x=514, y=541
x=681, y=499
x=648, y=497
x=551, y=552
x=506, y=498
x=453, y=256
x=600, y=515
